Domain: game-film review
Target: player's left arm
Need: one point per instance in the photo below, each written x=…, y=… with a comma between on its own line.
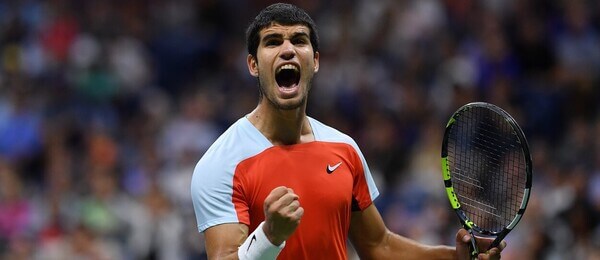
x=372, y=240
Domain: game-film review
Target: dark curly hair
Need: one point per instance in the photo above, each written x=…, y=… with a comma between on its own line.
x=284, y=14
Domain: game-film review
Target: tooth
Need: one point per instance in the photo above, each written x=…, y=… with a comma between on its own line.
x=288, y=67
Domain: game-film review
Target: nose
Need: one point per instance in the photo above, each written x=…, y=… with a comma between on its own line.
x=287, y=50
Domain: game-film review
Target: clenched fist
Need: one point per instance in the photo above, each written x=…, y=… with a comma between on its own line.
x=282, y=214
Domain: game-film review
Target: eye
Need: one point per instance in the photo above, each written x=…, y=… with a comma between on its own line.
x=300, y=41
x=272, y=42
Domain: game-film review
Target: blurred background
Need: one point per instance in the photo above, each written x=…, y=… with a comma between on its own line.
x=106, y=106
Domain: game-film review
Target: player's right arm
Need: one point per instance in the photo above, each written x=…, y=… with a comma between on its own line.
x=223, y=241
x=282, y=216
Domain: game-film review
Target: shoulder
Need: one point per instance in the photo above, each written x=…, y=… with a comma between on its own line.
x=238, y=142
x=212, y=180
x=326, y=133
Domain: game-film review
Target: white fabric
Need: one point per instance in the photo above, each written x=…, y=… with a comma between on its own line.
x=257, y=246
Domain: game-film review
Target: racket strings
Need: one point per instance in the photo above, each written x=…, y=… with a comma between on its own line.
x=488, y=167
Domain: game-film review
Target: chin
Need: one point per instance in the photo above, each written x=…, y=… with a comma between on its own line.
x=288, y=104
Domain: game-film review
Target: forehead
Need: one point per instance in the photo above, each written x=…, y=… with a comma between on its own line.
x=284, y=30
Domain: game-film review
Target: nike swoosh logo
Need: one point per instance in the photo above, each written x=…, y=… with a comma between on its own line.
x=251, y=240
x=330, y=168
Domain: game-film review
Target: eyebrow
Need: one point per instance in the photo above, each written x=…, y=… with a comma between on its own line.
x=279, y=35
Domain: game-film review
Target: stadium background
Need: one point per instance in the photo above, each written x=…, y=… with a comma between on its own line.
x=105, y=106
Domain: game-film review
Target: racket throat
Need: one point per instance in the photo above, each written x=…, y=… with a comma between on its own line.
x=499, y=238
x=473, y=247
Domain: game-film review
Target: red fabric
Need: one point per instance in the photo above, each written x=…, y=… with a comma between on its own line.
x=326, y=197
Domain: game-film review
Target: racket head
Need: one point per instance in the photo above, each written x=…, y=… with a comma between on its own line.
x=487, y=169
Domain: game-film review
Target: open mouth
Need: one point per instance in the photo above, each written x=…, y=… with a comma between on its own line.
x=287, y=76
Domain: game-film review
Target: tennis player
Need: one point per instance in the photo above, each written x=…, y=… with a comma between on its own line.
x=280, y=184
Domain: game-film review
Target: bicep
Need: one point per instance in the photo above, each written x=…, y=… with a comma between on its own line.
x=222, y=241
x=367, y=231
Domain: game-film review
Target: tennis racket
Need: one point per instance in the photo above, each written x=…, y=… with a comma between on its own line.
x=487, y=171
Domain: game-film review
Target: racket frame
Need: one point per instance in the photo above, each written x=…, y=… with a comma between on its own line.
x=467, y=223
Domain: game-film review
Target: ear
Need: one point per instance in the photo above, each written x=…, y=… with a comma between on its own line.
x=252, y=65
x=316, y=60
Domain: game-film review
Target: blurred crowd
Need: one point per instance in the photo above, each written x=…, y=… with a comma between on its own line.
x=106, y=106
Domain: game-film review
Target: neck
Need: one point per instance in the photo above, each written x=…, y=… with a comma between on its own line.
x=282, y=127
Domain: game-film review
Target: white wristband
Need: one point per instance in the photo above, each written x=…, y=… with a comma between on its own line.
x=258, y=246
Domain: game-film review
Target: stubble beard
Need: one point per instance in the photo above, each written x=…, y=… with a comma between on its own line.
x=278, y=105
